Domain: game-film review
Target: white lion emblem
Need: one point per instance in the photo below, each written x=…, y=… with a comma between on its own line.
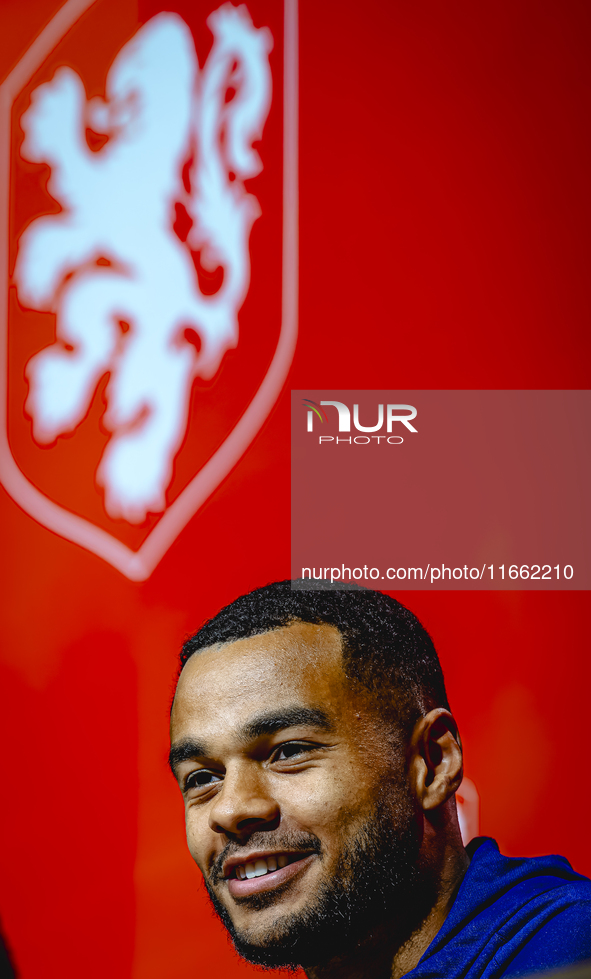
x=122, y=284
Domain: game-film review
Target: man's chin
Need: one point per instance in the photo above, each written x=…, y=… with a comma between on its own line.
x=270, y=955
x=270, y=930
x=279, y=940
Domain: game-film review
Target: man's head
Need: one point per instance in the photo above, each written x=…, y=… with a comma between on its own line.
x=313, y=745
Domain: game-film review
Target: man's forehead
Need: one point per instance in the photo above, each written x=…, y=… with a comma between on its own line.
x=293, y=649
x=301, y=661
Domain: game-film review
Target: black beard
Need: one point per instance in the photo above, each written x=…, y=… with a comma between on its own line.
x=377, y=882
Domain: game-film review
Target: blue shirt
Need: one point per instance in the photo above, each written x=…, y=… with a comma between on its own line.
x=511, y=918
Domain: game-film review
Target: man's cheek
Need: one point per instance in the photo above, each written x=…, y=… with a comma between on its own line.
x=196, y=839
x=326, y=808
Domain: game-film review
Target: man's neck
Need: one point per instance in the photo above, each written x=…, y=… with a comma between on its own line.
x=383, y=955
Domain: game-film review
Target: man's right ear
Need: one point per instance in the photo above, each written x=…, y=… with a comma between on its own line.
x=435, y=767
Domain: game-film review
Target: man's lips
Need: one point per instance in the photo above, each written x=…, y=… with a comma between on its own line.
x=263, y=871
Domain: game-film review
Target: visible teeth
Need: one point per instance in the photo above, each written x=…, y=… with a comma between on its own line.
x=260, y=868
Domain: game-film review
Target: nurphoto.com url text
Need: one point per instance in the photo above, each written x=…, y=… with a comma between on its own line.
x=440, y=572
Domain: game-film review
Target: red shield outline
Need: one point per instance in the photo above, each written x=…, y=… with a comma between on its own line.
x=138, y=565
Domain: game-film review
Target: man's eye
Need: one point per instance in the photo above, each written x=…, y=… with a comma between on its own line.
x=197, y=780
x=291, y=749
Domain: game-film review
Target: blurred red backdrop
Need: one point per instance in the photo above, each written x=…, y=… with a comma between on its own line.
x=444, y=243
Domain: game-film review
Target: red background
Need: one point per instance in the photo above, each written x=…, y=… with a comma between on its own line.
x=444, y=221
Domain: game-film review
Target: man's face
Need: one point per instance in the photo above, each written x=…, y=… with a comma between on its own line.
x=297, y=809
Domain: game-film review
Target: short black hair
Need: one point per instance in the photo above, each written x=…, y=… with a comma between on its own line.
x=385, y=647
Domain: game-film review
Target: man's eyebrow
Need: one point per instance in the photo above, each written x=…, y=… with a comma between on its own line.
x=185, y=750
x=283, y=717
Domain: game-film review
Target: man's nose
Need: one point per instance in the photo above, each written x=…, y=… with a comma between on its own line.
x=244, y=803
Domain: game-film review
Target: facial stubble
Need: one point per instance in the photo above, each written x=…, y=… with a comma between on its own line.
x=377, y=882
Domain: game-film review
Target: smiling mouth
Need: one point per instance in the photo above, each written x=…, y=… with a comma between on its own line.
x=265, y=873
